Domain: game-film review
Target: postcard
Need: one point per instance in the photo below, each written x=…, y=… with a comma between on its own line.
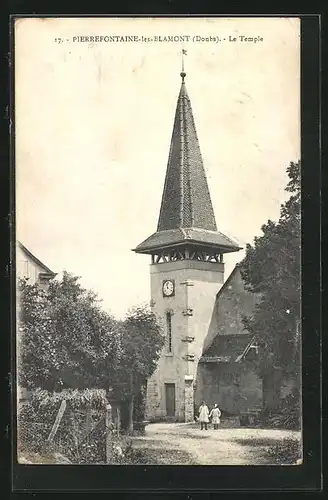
x=158, y=193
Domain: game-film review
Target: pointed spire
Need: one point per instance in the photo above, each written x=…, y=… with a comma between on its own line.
x=186, y=200
x=186, y=214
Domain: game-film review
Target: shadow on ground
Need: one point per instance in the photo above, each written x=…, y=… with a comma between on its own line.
x=266, y=442
x=156, y=452
x=193, y=436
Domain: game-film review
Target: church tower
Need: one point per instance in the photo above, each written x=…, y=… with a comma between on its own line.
x=186, y=270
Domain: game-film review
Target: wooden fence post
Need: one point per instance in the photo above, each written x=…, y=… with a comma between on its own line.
x=108, y=424
x=118, y=413
x=59, y=416
x=88, y=421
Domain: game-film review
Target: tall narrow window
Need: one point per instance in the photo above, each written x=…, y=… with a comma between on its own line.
x=169, y=331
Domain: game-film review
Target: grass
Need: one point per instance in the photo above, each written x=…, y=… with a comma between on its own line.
x=40, y=458
x=148, y=456
x=155, y=452
x=286, y=451
x=251, y=441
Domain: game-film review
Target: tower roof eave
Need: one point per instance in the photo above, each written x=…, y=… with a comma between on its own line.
x=193, y=236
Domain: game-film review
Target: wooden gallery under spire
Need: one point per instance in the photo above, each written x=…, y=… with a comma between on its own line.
x=187, y=272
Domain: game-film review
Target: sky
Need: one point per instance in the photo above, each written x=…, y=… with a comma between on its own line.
x=93, y=124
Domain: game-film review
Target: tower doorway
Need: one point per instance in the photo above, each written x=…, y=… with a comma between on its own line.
x=170, y=399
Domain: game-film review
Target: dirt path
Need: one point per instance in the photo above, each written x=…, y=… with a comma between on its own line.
x=186, y=444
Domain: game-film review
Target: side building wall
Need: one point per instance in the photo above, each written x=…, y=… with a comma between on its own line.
x=26, y=268
x=235, y=387
x=232, y=303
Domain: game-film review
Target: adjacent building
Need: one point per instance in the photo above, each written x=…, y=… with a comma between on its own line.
x=225, y=373
x=29, y=267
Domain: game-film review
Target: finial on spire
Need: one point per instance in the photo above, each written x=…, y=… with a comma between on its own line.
x=183, y=74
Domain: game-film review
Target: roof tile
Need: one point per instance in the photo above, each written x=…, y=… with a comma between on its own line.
x=186, y=200
x=226, y=346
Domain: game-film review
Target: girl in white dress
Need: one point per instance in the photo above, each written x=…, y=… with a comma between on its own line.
x=215, y=415
x=203, y=416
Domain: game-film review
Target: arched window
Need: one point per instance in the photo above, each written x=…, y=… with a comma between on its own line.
x=169, y=331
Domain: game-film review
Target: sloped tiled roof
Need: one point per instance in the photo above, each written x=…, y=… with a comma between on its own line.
x=226, y=348
x=186, y=202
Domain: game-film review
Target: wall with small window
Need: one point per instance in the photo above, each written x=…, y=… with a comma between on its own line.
x=27, y=268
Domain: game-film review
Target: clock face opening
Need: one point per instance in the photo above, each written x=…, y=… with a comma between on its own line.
x=168, y=288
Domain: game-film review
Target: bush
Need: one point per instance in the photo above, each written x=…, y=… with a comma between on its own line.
x=286, y=452
x=34, y=426
x=287, y=415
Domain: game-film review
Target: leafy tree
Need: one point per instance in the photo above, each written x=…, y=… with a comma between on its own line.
x=141, y=342
x=65, y=339
x=271, y=269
